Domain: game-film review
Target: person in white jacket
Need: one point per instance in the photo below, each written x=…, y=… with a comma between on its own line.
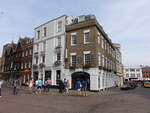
x=1, y=82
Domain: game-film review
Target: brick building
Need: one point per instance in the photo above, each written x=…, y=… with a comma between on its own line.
x=89, y=54
x=18, y=59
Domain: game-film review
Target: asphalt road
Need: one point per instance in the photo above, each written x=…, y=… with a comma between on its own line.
x=114, y=101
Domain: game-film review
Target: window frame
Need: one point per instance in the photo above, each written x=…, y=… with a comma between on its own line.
x=84, y=36
x=72, y=40
x=87, y=53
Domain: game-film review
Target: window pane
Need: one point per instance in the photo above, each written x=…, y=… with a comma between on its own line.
x=44, y=31
x=73, y=39
x=59, y=41
x=87, y=58
x=59, y=26
x=73, y=60
x=86, y=36
x=58, y=56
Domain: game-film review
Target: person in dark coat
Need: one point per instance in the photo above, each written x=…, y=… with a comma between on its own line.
x=61, y=86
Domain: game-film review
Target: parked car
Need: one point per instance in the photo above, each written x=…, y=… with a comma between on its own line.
x=128, y=85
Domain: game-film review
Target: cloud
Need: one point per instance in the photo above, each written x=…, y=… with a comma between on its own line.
x=125, y=21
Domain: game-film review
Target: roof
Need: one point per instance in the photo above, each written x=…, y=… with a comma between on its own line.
x=50, y=21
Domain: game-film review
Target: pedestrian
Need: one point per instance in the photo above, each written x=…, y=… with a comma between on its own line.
x=39, y=86
x=36, y=85
x=45, y=86
x=49, y=83
x=78, y=87
x=15, y=87
x=1, y=82
x=65, y=85
x=84, y=87
x=61, y=86
x=31, y=85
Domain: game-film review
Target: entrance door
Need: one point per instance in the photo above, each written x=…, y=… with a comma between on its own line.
x=35, y=75
x=80, y=76
x=47, y=75
x=58, y=76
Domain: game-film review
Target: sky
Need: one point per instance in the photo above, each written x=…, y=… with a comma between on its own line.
x=125, y=21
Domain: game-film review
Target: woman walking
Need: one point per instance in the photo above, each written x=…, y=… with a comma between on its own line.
x=31, y=85
x=15, y=87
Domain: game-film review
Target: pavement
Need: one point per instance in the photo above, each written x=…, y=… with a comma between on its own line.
x=109, y=101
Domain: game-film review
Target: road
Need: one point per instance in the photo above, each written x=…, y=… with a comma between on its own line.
x=132, y=101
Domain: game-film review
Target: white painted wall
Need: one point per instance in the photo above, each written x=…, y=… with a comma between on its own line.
x=136, y=72
x=51, y=43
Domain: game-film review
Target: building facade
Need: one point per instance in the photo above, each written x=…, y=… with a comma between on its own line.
x=23, y=59
x=8, y=59
x=0, y=64
x=18, y=59
x=133, y=73
x=89, y=54
x=119, y=65
x=146, y=72
x=48, y=49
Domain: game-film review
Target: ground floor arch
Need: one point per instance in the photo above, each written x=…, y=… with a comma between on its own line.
x=80, y=75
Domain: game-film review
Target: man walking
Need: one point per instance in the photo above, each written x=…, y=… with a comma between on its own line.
x=84, y=87
x=15, y=87
x=78, y=87
x=1, y=82
x=39, y=86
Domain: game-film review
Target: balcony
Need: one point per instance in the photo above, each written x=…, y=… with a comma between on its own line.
x=58, y=49
x=57, y=63
x=41, y=65
x=36, y=54
x=43, y=52
x=35, y=66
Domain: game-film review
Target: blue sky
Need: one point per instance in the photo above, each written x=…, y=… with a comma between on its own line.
x=125, y=21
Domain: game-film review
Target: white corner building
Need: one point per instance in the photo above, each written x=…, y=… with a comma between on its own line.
x=48, y=49
x=133, y=73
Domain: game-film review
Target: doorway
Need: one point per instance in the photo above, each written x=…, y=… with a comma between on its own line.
x=80, y=76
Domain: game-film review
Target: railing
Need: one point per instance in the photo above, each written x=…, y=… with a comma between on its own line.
x=41, y=65
x=57, y=63
x=58, y=49
x=35, y=66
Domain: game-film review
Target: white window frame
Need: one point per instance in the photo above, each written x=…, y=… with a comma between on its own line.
x=102, y=42
x=72, y=34
x=59, y=29
x=72, y=54
x=86, y=31
x=99, y=59
x=22, y=65
x=59, y=41
x=38, y=34
x=44, y=31
x=86, y=52
x=29, y=64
